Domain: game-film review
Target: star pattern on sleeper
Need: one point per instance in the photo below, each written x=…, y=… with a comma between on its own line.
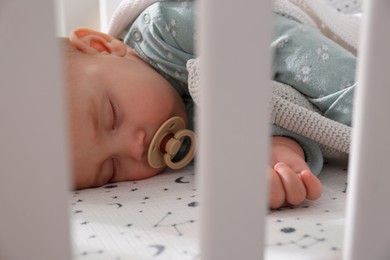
x=323, y=52
x=184, y=3
x=303, y=75
x=171, y=28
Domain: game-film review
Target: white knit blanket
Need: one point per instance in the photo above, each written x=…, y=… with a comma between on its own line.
x=290, y=110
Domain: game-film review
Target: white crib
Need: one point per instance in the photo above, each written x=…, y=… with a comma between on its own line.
x=35, y=224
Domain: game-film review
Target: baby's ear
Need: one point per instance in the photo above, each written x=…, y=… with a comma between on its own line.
x=92, y=42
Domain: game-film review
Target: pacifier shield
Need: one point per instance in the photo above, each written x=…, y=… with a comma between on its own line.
x=166, y=143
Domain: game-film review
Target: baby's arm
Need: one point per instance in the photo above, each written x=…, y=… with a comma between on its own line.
x=290, y=178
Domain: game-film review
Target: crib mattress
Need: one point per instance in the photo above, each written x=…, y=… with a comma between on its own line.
x=158, y=218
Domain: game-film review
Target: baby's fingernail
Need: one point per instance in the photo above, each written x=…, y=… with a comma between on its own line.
x=280, y=166
x=306, y=172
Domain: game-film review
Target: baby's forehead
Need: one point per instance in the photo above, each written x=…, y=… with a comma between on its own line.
x=79, y=69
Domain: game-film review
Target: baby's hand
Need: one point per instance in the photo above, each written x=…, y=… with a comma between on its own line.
x=290, y=179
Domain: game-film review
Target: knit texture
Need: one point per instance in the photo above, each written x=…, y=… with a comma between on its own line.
x=291, y=111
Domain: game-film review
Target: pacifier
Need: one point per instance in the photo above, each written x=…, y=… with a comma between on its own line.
x=168, y=141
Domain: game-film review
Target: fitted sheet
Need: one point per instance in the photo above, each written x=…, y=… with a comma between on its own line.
x=158, y=218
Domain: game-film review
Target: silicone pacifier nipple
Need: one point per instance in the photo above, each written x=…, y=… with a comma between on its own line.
x=166, y=143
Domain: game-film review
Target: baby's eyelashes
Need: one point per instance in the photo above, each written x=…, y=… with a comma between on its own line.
x=114, y=113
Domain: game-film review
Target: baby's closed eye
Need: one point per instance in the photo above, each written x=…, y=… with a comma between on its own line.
x=114, y=118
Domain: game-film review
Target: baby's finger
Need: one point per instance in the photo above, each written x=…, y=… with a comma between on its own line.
x=292, y=183
x=312, y=184
x=277, y=195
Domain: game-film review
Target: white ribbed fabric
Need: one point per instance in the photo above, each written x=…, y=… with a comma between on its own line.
x=126, y=13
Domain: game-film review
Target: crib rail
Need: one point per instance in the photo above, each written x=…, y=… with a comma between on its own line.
x=233, y=133
x=34, y=168
x=367, y=229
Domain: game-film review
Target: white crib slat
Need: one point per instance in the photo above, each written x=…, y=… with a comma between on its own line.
x=75, y=13
x=33, y=166
x=107, y=8
x=234, y=127
x=368, y=211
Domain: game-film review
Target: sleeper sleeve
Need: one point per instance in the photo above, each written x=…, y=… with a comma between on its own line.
x=163, y=35
x=313, y=154
x=316, y=66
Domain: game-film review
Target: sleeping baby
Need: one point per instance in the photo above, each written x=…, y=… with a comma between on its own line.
x=122, y=89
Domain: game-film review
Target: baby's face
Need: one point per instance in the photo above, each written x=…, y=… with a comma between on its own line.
x=116, y=105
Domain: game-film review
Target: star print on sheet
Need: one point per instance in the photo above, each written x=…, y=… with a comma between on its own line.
x=166, y=226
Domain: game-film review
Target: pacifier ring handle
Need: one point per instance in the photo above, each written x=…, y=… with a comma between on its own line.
x=171, y=136
x=179, y=137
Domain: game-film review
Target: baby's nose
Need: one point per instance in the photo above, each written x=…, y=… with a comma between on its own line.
x=135, y=146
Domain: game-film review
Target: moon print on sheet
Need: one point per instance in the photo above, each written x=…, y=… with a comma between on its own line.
x=287, y=230
x=193, y=204
x=180, y=180
x=119, y=205
x=160, y=249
